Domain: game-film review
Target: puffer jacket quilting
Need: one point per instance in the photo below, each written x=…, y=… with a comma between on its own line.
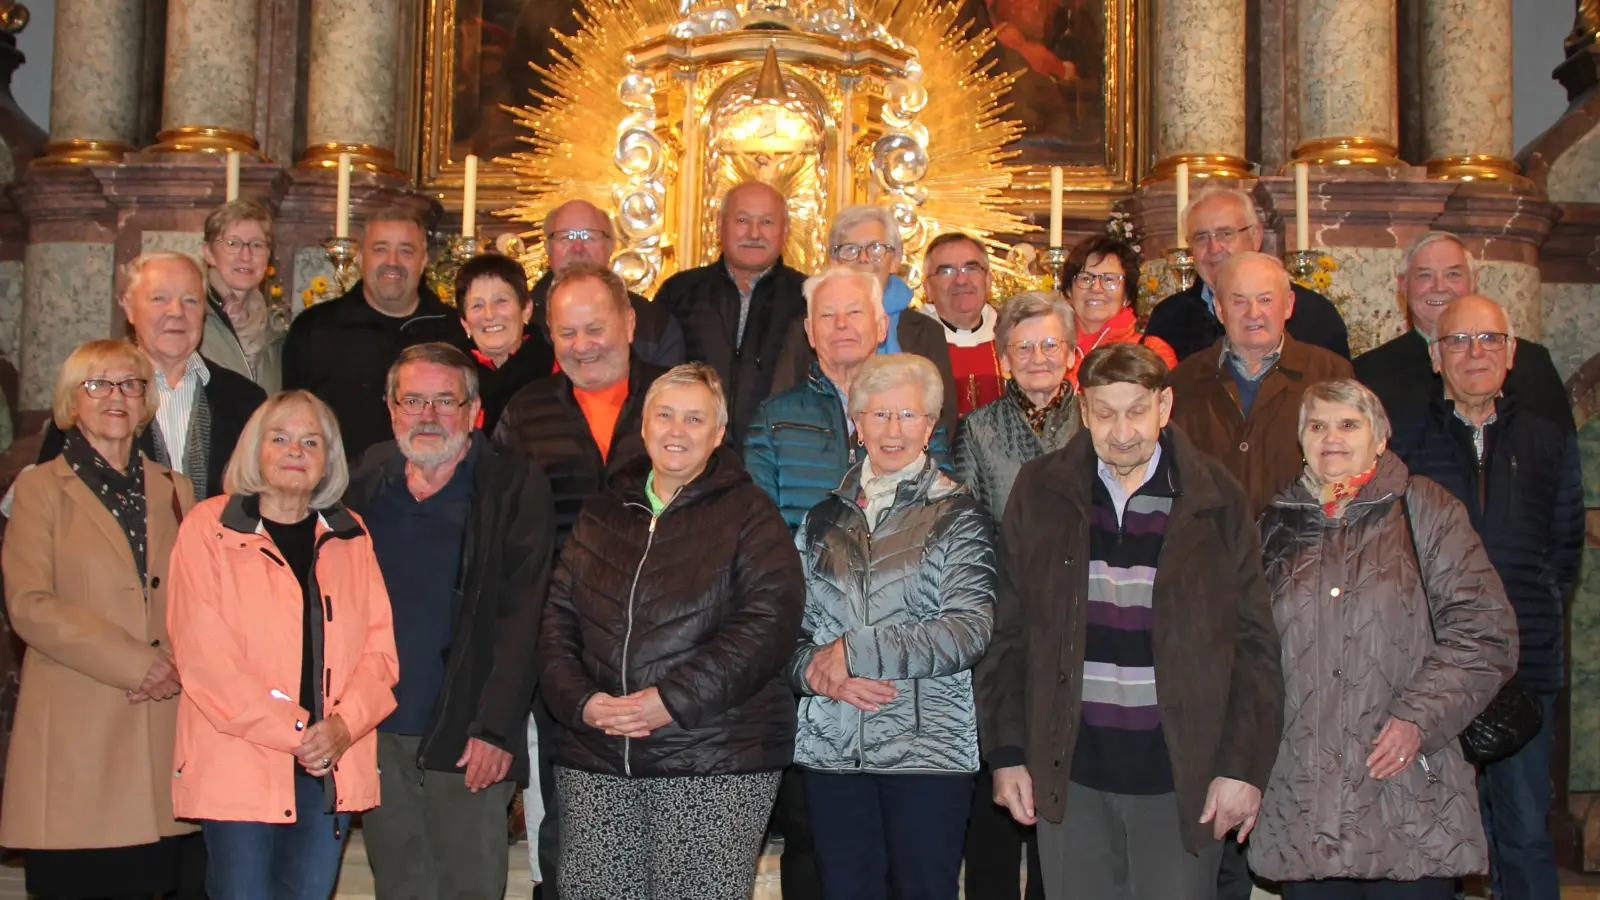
x=995, y=439
x=1358, y=648
x=914, y=600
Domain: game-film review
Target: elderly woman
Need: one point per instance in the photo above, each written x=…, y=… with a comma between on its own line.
x=1102, y=279
x=1396, y=633
x=283, y=636
x=675, y=602
x=899, y=607
x=85, y=562
x=492, y=300
x=1038, y=412
x=244, y=330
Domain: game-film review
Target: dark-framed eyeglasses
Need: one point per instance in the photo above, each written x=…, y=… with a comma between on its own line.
x=578, y=235
x=236, y=247
x=1110, y=281
x=443, y=405
x=1219, y=236
x=101, y=388
x=1490, y=341
x=874, y=251
x=971, y=270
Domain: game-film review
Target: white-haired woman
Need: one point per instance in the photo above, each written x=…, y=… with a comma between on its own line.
x=284, y=639
x=675, y=602
x=85, y=556
x=245, y=327
x=1396, y=633
x=900, y=586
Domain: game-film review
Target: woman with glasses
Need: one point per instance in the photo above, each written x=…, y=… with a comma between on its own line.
x=87, y=788
x=900, y=585
x=1102, y=279
x=245, y=328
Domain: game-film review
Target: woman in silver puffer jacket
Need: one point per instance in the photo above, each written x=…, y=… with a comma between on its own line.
x=900, y=585
x=1386, y=660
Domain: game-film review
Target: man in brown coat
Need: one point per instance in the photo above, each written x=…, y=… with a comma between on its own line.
x=1131, y=697
x=1239, y=400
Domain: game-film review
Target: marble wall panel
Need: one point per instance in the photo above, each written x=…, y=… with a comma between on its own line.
x=11, y=288
x=211, y=64
x=67, y=299
x=1583, y=773
x=1363, y=289
x=94, y=74
x=187, y=242
x=1515, y=286
x=1571, y=326
x=1575, y=175
x=1347, y=70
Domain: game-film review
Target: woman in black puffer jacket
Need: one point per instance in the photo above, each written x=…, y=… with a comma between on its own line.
x=674, y=606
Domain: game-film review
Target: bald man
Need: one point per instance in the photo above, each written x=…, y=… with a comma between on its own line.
x=736, y=311
x=1518, y=475
x=1239, y=399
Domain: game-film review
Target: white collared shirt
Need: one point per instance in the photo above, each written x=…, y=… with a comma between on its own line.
x=1119, y=494
x=177, y=405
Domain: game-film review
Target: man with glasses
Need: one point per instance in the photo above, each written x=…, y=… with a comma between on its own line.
x=1221, y=222
x=463, y=531
x=578, y=231
x=955, y=269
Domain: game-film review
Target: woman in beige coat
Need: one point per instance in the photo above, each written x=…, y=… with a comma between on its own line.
x=87, y=789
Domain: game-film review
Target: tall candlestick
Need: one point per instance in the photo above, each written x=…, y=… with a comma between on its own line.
x=341, y=215
x=1183, y=203
x=233, y=175
x=1056, y=187
x=1302, y=206
x=469, y=199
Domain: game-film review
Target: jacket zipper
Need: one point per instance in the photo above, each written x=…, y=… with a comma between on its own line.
x=627, y=637
x=866, y=588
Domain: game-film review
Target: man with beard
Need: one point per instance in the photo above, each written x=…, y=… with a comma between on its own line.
x=737, y=311
x=463, y=531
x=577, y=231
x=957, y=272
x=341, y=350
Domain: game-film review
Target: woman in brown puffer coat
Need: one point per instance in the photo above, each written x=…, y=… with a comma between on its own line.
x=1385, y=663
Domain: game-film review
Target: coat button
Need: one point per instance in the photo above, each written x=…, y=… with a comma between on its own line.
x=1244, y=446
x=1337, y=755
x=155, y=581
x=1338, y=673
x=156, y=642
x=1335, y=592
x=1061, y=678
x=1057, y=764
x=288, y=814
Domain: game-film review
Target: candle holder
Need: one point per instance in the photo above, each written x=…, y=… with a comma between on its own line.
x=341, y=253
x=1181, y=261
x=1053, y=260
x=465, y=248
x=1302, y=264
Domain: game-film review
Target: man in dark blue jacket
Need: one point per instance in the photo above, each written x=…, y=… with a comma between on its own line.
x=1518, y=474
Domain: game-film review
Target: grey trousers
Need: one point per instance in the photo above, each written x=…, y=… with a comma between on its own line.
x=435, y=840
x=1123, y=847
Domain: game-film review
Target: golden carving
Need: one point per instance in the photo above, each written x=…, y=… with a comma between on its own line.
x=1478, y=167
x=1201, y=165
x=362, y=156
x=78, y=151
x=1346, y=151
x=203, y=139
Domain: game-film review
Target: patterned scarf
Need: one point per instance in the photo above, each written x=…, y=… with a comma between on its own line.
x=1037, y=416
x=196, y=448
x=122, y=493
x=1335, y=495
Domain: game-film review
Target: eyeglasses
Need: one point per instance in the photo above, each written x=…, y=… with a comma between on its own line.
x=1110, y=281
x=578, y=235
x=1490, y=341
x=1219, y=236
x=905, y=416
x=236, y=246
x=100, y=388
x=1050, y=347
x=971, y=270
x=444, y=405
x=874, y=251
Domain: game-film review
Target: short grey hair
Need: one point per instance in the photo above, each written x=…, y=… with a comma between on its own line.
x=689, y=374
x=1214, y=192
x=887, y=371
x=1348, y=392
x=844, y=273
x=1019, y=308
x=1435, y=237
x=860, y=214
x=243, y=475
x=136, y=267
x=439, y=354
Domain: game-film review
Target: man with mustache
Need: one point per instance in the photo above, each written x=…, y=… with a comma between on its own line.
x=1436, y=271
x=955, y=269
x=578, y=231
x=463, y=531
x=736, y=311
x=341, y=350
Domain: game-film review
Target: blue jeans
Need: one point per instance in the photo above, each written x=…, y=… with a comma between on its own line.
x=264, y=861
x=882, y=836
x=1515, y=796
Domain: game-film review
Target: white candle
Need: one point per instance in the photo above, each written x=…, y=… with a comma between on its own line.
x=341, y=215
x=1183, y=202
x=1056, y=186
x=233, y=175
x=1302, y=206
x=469, y=198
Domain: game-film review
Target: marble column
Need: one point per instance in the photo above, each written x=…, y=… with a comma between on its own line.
x=1200, y=92
x=209, y=95
x=94, y=81
x=350, y=89
x=1466, y=90
x=1348, y=86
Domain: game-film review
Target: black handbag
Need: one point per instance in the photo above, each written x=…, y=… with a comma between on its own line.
x=1512, y=718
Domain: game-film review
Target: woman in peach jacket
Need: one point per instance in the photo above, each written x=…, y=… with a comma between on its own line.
x=283, y=637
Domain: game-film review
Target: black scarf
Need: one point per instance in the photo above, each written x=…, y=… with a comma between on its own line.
x=121, y=492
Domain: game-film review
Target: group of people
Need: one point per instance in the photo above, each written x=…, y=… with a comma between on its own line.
x=917, y=587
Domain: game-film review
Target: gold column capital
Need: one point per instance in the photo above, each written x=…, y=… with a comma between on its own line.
x=203, y=139
x=1352, y=152
x=1201, y=165
x=81, y=151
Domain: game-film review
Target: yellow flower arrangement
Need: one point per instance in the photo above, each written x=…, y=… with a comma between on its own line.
x=319, y=284
x=277, y=292
x=1152, y=285
x=307, y=297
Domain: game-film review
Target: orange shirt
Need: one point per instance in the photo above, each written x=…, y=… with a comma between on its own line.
x=601, y=409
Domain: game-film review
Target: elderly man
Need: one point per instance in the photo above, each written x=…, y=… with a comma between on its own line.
x=341, y=350
x=1239, y=400
x=955, y=268
x=1222, y=222
x=463, y=531
x=867, y=239
x=578, y=231
x=203, y=406
x=736, y=311
x=1436, y=271
x=1518, y=474
x=1131, y=697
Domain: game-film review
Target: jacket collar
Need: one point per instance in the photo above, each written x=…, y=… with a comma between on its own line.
x=723, y=471
x=1070, y=471
x=242, y=514
x=353, y=309
x=1391, y=479
x=929, y=486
